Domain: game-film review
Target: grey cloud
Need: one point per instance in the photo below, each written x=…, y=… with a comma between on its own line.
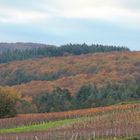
x=130, y=4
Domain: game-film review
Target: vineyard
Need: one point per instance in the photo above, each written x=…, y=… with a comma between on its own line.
x=104, y=122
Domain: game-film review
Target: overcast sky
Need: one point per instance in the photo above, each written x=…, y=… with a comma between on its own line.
x=112, y=22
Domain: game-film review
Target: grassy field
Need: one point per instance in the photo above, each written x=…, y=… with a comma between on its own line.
x=129, y=102
x=38, y=127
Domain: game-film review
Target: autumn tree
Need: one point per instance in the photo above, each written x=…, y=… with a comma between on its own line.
x=8, y=99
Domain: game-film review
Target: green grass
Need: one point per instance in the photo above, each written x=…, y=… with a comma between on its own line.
x=38, y=127
x=129, y=102
x=54, y=124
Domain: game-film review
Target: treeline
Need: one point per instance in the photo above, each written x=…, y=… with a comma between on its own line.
x=88, y=96
x=52, y=51
x=21, y=46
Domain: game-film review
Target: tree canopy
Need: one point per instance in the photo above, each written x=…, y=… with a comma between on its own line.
x=8, y=100
x=51, y=51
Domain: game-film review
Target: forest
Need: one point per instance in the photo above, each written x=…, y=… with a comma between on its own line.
x=88, y=96
x=37, y=79
x=53, y=51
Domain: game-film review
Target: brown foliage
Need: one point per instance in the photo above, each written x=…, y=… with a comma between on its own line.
x=74, y=71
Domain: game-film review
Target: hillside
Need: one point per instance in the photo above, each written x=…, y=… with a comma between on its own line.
x=71, y=72
x=21, y=46
x=73, y=81
x=30, y=50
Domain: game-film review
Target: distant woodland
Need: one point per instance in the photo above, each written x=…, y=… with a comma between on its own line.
x=17, y=53
x=73, y=76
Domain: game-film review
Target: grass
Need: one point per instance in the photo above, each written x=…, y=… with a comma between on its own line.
x=129, y=102
x=38, y=127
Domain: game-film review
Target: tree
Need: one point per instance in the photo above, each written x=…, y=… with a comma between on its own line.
x=8, y=100
x=25, y=107
x=86, y=96
x=61, y=99
x=55, y=101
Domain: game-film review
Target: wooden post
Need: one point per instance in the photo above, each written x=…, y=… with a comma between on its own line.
x=36, y=138
x=76, y=136
x=72, y=137
x=16, y=137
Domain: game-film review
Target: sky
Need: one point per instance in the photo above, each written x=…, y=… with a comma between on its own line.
x=57, y=22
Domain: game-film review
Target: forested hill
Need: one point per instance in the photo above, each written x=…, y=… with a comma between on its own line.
x=73, y=82
x=21, y=46
x=24, y=51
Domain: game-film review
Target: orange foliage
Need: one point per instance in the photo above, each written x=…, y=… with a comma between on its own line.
x=74, y=71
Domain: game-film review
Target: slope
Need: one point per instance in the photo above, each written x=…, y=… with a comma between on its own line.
x=71, y=72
